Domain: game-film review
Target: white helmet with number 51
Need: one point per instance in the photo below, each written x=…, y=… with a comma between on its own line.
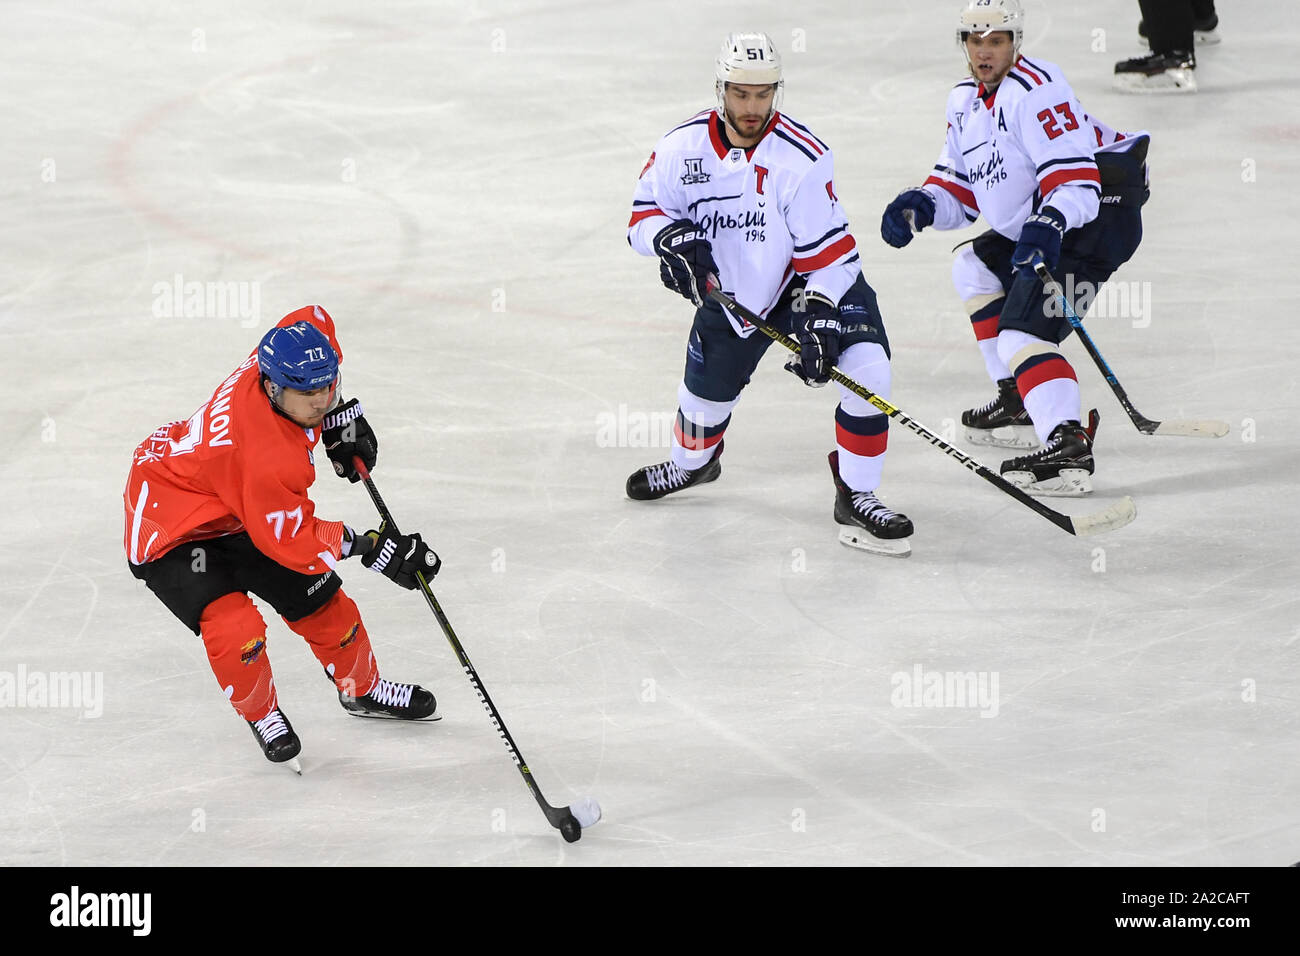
x=991, y=16
x=748, y=59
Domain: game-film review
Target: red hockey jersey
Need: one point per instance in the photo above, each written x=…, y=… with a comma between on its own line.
x=234, y=465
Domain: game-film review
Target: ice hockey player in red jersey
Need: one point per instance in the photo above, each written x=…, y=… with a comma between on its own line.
x=745, y=193
x=217, y=508
x=1056, y=185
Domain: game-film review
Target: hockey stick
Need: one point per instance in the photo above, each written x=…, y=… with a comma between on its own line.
x=562, y=818
x=1108, y=519
x=1190, y=428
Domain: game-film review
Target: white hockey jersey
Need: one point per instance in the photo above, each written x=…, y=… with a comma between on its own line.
x=769, y=211
x=1025, y=144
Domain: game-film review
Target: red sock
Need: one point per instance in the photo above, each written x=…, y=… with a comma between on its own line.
x=234, y=635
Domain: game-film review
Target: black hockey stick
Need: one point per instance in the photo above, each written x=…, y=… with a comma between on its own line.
x=1108, y=519
x=1192, y=428
x=562, y=818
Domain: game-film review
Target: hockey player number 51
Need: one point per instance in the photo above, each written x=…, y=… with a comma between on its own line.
x=1049, y=121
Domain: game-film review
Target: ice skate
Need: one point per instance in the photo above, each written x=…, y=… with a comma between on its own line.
x=1003, y=422
x=655, y=481
x=1064, y=466
x=279, y=743
x=395, y=701
x=1157, y=73
x=865, y=522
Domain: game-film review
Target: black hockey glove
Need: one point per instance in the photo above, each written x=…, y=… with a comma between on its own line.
x=346, y=433
x=399, y=557
x=685, y=259
x=1040, y=238
x=912, y=207
x=818, y=329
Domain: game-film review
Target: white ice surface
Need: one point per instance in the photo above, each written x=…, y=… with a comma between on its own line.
x=715, y=669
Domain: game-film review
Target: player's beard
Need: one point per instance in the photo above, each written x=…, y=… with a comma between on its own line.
x=754, y=123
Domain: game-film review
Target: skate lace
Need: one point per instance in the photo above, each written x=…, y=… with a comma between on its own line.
x=988, y=406
x=871, y=507
x=393, y=695
x=667, y=476
x=271, y=726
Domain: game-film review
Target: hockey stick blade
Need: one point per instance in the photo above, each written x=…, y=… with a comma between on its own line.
x=1191, y=428
x=1186, y=428
x=1116, y=516
x=1108, y=519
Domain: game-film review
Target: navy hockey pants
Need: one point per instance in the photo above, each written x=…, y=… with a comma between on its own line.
x=1089, y=254
x=719, y=362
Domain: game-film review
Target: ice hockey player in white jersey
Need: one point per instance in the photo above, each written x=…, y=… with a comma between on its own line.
x=1056, y=185
x=745, y=193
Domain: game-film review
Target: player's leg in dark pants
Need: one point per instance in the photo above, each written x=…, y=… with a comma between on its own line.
x=1169, y=24
x=719, y=363
x=1032, y=325
x=861, y=429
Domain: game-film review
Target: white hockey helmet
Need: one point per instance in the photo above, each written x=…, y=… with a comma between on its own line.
x=992, y=16
x=751, y=59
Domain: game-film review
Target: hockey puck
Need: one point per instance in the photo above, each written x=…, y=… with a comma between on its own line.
x=570, y=830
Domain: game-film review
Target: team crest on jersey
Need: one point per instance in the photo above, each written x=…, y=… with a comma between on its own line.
x=694, y=172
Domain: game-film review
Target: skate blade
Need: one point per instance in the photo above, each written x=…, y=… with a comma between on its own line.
x=855, y=537
x=293, y=764
x=1192, y=428
x=409, y=720
x=1170, y=81
x=1005, y=436
x=1070, y=483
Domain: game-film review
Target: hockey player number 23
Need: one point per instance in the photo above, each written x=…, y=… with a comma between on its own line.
x=1049, y=121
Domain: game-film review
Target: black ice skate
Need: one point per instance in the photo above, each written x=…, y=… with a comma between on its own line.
x=396, y=701
x=655, y=481
x=865, y=522
x=1064, y=466
x=1158, y=73
x=1003, y=422
x=279, y=742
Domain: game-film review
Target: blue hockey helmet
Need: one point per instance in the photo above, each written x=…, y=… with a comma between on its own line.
x=297, y=356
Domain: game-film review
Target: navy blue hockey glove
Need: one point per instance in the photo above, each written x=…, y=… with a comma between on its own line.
x=894, y=227
x=685, y=259
x=1040, y=238
x=345, y=433
x=399, y=557
x=818, y=329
